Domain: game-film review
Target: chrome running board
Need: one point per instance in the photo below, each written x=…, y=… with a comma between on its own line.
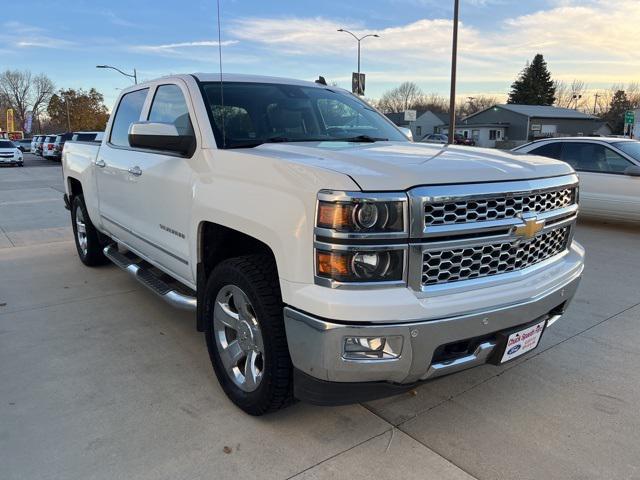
x=150, y=280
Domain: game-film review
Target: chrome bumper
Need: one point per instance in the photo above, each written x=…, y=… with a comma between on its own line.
x=316, y=345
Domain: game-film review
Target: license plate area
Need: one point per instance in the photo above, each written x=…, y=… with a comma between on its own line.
x=516, y=342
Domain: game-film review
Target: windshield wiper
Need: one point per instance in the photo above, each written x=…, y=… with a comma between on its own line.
x=278, y=139
x=360, y=138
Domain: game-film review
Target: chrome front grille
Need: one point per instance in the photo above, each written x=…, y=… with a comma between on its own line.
x=483, y=234
x=456, y=264
x=496, y=208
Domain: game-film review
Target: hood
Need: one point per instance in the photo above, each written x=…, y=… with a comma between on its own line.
x=8, y=150
x=401, y=165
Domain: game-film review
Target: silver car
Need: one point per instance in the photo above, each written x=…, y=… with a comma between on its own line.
x=439, y=138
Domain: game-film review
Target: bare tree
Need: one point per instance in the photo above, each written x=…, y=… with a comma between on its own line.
x=401, y=98
x=43, y=89
x=633, y=94
x=433, y=102
x=24, y=92
x=476, y=104
x=16, y=86
x=571, y=96
x=605, y=97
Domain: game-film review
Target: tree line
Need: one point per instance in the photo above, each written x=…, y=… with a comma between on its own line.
x=51, y=109
x=534, y=85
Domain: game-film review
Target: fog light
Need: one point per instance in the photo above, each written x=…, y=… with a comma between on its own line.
x=372, y=348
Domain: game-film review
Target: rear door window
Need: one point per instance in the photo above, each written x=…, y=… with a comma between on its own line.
x=128, y=112
x=593, y=157
x=169, y=106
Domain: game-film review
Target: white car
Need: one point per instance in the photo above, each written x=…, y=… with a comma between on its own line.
x=10, y=154
x=48, y=146
x=609, y=171
x=439, y=138
x=326, y=256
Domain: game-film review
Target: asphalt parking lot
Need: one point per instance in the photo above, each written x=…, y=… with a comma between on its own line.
x=100, y=380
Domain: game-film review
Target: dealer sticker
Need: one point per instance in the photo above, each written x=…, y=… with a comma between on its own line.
x=523, y=341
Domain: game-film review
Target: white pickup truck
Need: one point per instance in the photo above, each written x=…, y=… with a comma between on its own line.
x=328, y=258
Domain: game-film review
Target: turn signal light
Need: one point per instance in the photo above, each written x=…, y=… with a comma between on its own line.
x=332, y=264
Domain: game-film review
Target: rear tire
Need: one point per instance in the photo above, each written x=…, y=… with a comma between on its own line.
x=85, y=234
x=244, y=329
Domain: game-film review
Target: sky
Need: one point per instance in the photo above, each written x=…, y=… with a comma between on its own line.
x=592, y=40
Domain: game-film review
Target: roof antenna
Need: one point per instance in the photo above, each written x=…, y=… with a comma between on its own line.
x=224, y=136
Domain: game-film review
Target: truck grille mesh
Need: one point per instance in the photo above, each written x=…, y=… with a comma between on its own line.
x=496, y=208
x=454, y=264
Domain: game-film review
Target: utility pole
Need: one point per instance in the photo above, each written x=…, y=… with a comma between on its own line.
x=66, y=104
x=454, y=59
x=595, y=102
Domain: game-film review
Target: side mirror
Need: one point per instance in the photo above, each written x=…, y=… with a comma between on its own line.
x=407, y=132
x=160, y=136
x=633, y=171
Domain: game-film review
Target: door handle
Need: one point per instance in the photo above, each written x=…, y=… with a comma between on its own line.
x=100, y=163
x=135, y=171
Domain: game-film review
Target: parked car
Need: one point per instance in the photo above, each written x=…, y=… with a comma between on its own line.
x=34, y=140
x=439, y=138
x=609, y=171
x=459, y=139
x=48, y=147
x=10, y=154
x=38, y=144
x=24, y=145
x=87, y=136
x=326, y=256
x=58, y=144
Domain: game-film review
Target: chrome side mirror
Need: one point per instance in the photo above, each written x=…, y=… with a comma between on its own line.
x=160, y=136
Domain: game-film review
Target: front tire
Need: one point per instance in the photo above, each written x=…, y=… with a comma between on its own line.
x=85, y=234
x=244, y=329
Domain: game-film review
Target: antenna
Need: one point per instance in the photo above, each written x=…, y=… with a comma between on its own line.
x=224, y=136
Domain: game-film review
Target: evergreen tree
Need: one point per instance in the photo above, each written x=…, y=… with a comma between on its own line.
x=534, y=85
x=615, y=116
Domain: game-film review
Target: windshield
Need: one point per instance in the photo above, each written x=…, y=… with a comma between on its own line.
x=6, y=144
x=630, y=148
x=255, y=113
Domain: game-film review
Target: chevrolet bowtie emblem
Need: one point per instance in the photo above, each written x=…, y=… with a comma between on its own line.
x=530, y=227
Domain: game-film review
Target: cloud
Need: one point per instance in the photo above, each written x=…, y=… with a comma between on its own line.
x=566, y=32
x=180, y=48
x=21, y=35
x=44, y=42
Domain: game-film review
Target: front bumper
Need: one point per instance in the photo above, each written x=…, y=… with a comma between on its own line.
x=316, y=347
x=10, y=161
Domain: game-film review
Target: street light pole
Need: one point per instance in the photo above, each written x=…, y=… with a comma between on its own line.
x=134, y=76
x=359, y=39
x=454, y=59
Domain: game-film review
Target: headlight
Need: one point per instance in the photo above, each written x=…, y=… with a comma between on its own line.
x=362, y=213
x=360, y=266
